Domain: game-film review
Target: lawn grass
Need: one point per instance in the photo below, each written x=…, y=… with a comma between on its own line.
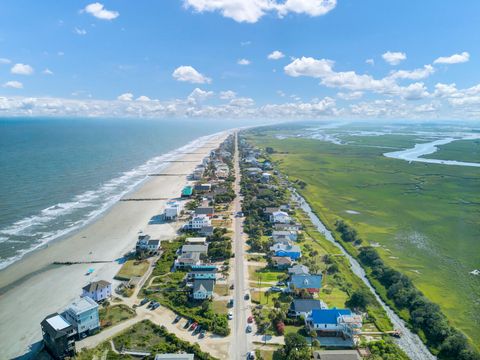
x=220, y=307
x=132, y=268
x=221, y=289
x=112, y=315
x=261, y=274
x=424, y=216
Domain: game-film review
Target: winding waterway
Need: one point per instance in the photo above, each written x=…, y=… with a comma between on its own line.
x=415, y=153
x=408, y=342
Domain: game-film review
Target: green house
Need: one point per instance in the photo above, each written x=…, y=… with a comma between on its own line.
x=187, y=191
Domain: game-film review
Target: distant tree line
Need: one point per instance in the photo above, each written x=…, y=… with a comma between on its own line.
x=426, y=317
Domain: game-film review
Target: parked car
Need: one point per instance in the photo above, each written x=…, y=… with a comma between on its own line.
x=250, y=319
x=250, y=355
x=249, y=328
x=230, y=315
x=144, y=301
x=197, y=330
x=202, y=334
x=247, y=297
x=177, y=319
x=187, y=325
x=193, y=326
x=281, y=283
x=154, y=306
x=276, y=289
x=232, y=287
x=230, y=303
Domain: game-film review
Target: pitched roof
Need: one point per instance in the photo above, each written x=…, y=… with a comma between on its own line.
x=205, y=285
x=96, y=285
x=328, y=316
x=281, y=260
x=305, y=305
x=306, y=281
x=299, y=270
x=194, y=248
x=204, y=210
x=336, y=355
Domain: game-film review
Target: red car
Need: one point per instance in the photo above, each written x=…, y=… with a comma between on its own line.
x=194, y=326
x=250, y=319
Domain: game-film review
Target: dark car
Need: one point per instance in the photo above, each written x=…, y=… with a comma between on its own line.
x=187, y=325
x=202, y=334
x=197, y=330
x=177, y=319
x=247, y=296
x=144, y=301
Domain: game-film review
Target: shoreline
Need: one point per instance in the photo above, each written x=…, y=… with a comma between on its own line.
x=32, y=288
x=103, y=209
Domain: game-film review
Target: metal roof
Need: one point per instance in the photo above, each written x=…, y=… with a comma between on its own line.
x=328, y=316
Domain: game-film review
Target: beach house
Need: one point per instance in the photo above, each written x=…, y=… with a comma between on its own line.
x=195, y=248
x=334, y=322
x=202, y=289
x=203, y=187
x=197, y=222
x=172, y=210
x=304, y=307
x=205, y=210
x=174, y=357
x=202, y=272
x=281, y=263
x=291, y=251
x=187, y=191
x=279, y=235
x=206, y=230
x=310, y=283
x=83, y=315
x=336, y=355
x=196, y=241
x=299, y=270
x=280, y=217
x=187, y=260
x=58, y=336
x=98, y=290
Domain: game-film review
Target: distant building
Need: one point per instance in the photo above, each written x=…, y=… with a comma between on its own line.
x=291, y=251
x=198, y=222
x=284, y=234
x=146, y=245
x=286, y=227
x=304, y=307
x=187, y=260
x=202, y=272
x=280, y=217
x=171, y=211
x=299, y=270
x=206, y=210
x=203, y=187
x=187, y=191
x=206, y=230
x=196, y=241
x=334, y=322
x=174, y=357
x=310, y=283
x=336, y=355
x=58, y=336
x=98, y=290
x=200, y=249
x=281, y=262
x=202, y=289
x=83, y=315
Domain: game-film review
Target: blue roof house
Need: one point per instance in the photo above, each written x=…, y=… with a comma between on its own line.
x=287, y=250
x=310, y=283
x=337, y=321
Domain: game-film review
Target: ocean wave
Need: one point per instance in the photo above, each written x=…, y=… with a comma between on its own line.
x=37, y=229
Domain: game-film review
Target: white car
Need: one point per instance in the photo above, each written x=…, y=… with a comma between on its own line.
x=230, y=315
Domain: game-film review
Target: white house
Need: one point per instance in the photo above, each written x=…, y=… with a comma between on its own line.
x=98, y=290
x=187, y=260
x=198, y=222
x=172, y=210
x=153, y=245
x=280, y=217
x=285, y=234
x=196, y=240
x=201, y=249
x=202, y=288
x=339, y=321
x=83, y=315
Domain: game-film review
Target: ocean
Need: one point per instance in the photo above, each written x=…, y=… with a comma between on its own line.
x=56, y=175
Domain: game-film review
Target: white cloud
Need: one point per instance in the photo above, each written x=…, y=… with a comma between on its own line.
x=251, y=11
x=125, y=97
x=189, y=74
x=416, y=74
x=243, y=62
x=242, y=102
x=199, y=95
x=394, y=58
x=98, y=10
x=281, y=93
x=370, y=62
x=275, y=55
x=79, y=31
x=354, y=95
x=47, y=71
x=143, y=98
x=13, y=85
x=5, y=61
x=453, y=59
x=308, y=66
x=445, y=90
x=227, y=95
x=415, y=91
x=21, y=69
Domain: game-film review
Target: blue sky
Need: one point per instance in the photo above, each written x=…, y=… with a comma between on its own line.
x=180, y=58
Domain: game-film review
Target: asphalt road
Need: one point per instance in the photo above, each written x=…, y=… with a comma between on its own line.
x=241, y=342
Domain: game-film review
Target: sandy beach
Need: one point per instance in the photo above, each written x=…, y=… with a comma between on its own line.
x=33, y=288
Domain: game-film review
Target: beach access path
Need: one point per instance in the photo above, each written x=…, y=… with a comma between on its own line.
x=33, y=288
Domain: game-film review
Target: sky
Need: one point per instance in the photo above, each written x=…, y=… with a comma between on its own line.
x=245, y=59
